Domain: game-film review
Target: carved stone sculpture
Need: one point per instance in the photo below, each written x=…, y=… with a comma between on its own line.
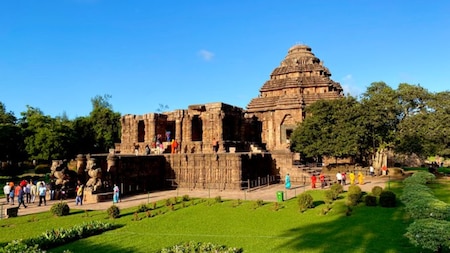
x=95, y=175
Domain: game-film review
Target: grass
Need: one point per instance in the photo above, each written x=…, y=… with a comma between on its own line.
x=269, y=227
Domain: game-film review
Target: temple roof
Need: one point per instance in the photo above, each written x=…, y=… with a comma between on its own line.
x=300, y=79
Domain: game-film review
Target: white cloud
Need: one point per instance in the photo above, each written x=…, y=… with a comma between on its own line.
x=206, y=55
x=349, y=86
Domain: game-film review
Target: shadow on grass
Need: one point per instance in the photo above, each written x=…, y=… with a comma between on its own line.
x=359, y=232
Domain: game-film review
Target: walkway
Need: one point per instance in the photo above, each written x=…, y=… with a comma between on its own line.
x=266, y=193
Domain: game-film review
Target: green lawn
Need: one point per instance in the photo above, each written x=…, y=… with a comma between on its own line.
x=255, y=229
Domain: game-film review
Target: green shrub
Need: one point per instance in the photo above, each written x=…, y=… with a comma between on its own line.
x=186, y=198
x=19, y=246
x=370, y=200
x=200, y=247
x=376, y=191
x=387, y=199
x=218, y=199
x=428, y=208
x=429, y=234
x=168, y=202
x=354, y=189
x=42, y=169
x=305, y=201
x=353, y=199
x=113, y=212
x=329, y=196
x=337, y=189
x=142, y=208
x=60, y=209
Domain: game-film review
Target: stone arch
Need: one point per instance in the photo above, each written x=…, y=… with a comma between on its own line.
x=287, y=126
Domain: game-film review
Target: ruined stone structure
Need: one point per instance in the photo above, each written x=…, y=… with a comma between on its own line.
x=253, y=143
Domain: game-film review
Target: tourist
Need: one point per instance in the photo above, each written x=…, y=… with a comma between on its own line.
x=27, y=190
x=313, y=181
x=287, y=181
x=322, y=180
x=20, y=195
x=136, y=148
x=116, y=193
x=360, y=178
x=352, y=178
x=384, y=170
x=215, y=145
x=371, y=170
x=16, y=190
x=79, y=192
x=339, y=177
x=168, y=136
x=42, y=191
x=147, y=150
x=174, y=146
x=33, y=191
x=11, y=194
x=6, y=190
x=51, y=188
x=344, y=177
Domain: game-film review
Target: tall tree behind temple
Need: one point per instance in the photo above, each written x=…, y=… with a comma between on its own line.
x=46, y=138
x=105, y=122
x=11, y=138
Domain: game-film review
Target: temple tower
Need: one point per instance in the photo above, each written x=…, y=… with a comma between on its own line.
x=300, y=80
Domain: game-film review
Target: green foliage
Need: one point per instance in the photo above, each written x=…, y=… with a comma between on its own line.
x=186, y=198
x=336, y=189
x=376, y=191
x=429, y=234
x=105, y=123
x=305, y=201
x=329, y=196
x=353, y=199
x=354, y=189
x=142, y=208
x=387, y=199
x=55, y=237
x=370, y=200
x=60, y=209
x=20, y=247
x=113, y=212
x=194, y=247
x=421, y=208
x=218, y=199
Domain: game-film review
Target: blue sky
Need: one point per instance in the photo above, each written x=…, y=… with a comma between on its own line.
x=56, y=55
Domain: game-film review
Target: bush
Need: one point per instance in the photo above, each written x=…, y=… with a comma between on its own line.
x=376, y=191
x=60, y=209
x=353, y=199
x=370, y=200
x=142, y=208
x=42, y=169
x=336, y=189
x=428, y=208
x=186, y=198
x=354, y=189
x=19, y=246
x=329, y=196
x=429, y=234
x=387, y=199
x=200, y=247
x=218, y=199
x=113, y=212
x=305, y=201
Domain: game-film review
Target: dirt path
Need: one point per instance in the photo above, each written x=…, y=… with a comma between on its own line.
x=268, y=193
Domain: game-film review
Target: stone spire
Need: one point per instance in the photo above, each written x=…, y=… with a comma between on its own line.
x=300, y=80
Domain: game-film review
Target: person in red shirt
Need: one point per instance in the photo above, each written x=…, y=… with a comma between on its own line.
x=322, y=180
x=313, y=181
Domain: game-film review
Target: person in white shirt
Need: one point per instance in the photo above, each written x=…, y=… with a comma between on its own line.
x=6, y=190
x=339, y=177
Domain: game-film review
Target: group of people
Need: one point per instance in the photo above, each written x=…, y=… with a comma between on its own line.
x=25, y=192
x=341, y=177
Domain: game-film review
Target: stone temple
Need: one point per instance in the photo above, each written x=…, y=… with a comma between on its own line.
x=253, y=143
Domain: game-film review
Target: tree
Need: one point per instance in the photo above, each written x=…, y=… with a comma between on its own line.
x=46, y=138
x=332, y=128
x=11, y=139
x=105, y=122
